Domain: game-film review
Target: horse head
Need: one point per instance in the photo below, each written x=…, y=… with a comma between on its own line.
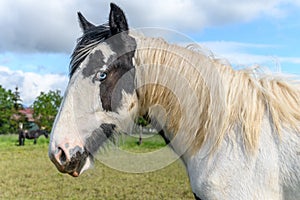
x=99, y=93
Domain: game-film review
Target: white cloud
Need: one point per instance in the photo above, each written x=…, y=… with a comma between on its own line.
x=198, y=14
x=31, y=84
x=231, y=46
x=239, y=54
x=51, y=26
x=295, y=60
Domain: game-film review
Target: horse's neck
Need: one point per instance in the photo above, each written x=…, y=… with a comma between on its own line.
x=189, y=92
x=176, y=86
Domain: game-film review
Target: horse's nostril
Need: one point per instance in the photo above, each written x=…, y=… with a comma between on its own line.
x=62, y=156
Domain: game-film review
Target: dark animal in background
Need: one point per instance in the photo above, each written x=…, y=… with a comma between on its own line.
x=34, y=134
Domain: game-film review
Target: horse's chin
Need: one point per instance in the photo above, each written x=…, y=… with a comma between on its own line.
x=88, y=164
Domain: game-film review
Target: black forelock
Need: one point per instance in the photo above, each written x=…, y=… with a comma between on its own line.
x=86, y=43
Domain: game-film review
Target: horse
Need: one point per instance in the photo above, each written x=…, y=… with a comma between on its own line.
x=237, y=132
x=33, y=134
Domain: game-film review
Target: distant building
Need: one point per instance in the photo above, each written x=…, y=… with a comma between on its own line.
x=29, y=123
x=28, y=112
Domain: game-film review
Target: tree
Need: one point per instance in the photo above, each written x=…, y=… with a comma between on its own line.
x=46, y=107
x=17, y=99
x=6, y=111
x=18, y=116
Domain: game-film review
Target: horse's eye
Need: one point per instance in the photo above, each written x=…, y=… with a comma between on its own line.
x=101, y=76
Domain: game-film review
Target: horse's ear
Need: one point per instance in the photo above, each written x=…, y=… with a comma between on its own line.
x=84, y=24
x=117, y=20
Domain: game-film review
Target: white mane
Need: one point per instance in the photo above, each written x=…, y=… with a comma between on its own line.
x=205, y=98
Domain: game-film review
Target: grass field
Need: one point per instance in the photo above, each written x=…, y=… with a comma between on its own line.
x=27, y=173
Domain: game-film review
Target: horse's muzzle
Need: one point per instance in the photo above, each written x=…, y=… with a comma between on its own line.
x=69, y=160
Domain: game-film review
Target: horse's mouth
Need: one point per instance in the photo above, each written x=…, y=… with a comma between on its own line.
x=74, y=166
x=80, y=167
x=74, y=174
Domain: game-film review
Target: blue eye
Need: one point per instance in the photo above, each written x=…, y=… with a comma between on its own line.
x=102, y=76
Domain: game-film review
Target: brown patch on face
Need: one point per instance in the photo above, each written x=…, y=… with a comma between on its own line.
x=118, y=79
x=120, y=72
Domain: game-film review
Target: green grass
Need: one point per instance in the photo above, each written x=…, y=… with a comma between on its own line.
x=27, y=173
x=130, y=143
x=12, y=140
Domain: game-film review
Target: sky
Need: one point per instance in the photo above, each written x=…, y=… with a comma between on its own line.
x=37, y=37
